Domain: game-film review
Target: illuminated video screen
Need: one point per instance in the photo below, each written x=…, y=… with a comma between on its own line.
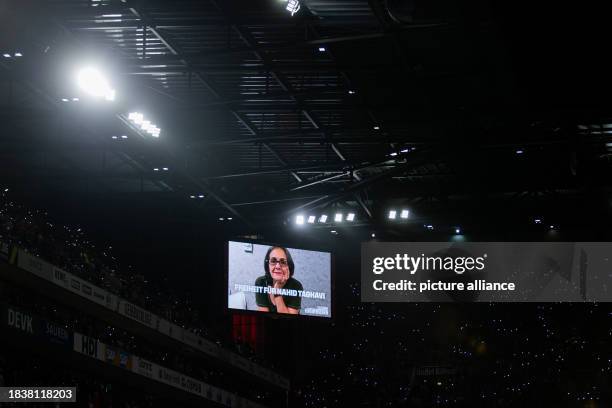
x=276, y=279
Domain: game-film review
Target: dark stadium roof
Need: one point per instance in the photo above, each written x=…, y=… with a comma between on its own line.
x=437, y=106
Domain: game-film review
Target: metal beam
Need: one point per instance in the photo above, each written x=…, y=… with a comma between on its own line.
x=422, y=158
x=149, y=24
x=321, y=168
x=176, y=51
x=251, y=128
x=316, y=136
x=282, y=81
x=323, y=180
x=363, y=205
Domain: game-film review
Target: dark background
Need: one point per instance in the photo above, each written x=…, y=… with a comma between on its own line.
x=497, y=78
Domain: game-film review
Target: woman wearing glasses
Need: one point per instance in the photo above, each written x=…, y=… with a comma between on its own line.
x=279, y=269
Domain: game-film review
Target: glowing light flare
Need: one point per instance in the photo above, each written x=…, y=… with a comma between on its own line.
x=94, y=83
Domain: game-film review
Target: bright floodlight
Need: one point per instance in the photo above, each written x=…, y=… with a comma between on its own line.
x=93, y=82
x=311, y=219
x=338, y=217
x=392, y=214
x=299, y=219
x=323, y=219
x=457, y=231
x=350, y=217
x=146, y=125
x=321, y=49
x=136, y=117
x=293, y=6
x=18, y=54
x=404, y=214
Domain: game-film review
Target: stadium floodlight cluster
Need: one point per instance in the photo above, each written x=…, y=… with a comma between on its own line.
x=339, y=217
x=293, y=6
x=95, y=84
x=404, y=214
x=15, y=55
x=139, y=120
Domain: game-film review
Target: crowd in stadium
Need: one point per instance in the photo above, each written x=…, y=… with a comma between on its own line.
x=70, y=249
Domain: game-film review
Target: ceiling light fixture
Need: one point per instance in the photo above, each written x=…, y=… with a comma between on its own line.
x=293, y=6
x=138, y=119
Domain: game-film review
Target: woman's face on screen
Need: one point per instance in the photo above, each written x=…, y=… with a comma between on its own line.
x=277, y=262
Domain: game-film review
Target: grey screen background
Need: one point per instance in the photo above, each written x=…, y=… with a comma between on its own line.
x=312, y=269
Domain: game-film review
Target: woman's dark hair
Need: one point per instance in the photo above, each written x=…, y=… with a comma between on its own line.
x=289, y=262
